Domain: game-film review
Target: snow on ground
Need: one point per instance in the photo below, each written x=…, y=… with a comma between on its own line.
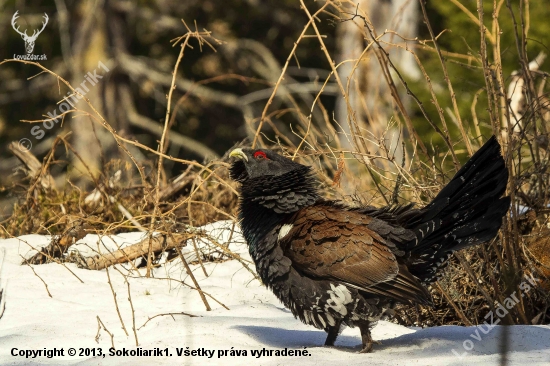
x=256, y=321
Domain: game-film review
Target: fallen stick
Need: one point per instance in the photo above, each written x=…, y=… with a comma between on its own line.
x=177, y=184
x=32, y=164
x=132, y=252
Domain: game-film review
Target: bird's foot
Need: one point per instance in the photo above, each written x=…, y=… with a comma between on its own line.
x=366, y=338
x=366, y=348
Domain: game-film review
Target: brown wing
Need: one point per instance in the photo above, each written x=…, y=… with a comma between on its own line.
x=332, y=243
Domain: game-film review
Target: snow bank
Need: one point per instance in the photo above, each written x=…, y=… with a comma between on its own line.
x=256, y=322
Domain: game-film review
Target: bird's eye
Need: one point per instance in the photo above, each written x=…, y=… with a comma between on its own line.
x=260, y=155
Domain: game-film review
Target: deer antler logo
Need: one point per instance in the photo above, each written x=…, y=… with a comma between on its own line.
x=29, y=40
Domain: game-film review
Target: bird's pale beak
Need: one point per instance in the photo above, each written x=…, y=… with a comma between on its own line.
x=239, y=154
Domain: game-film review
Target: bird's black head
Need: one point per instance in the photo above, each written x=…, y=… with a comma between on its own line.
x=260, y=163
x=272, y=181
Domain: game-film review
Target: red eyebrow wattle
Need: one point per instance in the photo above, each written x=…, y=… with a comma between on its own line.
x=259, y=154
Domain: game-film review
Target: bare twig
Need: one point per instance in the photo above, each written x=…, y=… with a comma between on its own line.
x=133, y=312
x=168, y=314
x=116, y=302
x=101, y=325
x=36, y=274
x=190, y=273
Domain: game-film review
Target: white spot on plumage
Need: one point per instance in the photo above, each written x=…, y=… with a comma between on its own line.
x=285, y=229
x=314, y=321
x=307, y=316
x=339, y=298
x=322, y=321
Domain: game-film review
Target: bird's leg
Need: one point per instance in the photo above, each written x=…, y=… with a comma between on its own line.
x=365, y=338
x=333, y=333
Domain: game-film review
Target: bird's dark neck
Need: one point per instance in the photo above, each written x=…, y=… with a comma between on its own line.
x=257, y=221
x=268, y=201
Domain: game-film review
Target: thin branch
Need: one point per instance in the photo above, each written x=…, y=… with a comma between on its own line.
x=190, y=273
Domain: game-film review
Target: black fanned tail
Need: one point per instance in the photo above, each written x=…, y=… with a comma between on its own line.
x=468, y=211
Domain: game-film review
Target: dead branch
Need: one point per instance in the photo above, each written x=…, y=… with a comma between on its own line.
x=190, y=273
x=169, y=314
x=32, y=164
x=138, y=69
x=177, y=184
x=116, y=302
x=76, y=230
x=99, y=326
x=133, y=312
x=132, y=252
x=149, y=125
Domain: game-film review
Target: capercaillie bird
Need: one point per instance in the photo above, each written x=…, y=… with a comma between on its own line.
x=335, y=265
